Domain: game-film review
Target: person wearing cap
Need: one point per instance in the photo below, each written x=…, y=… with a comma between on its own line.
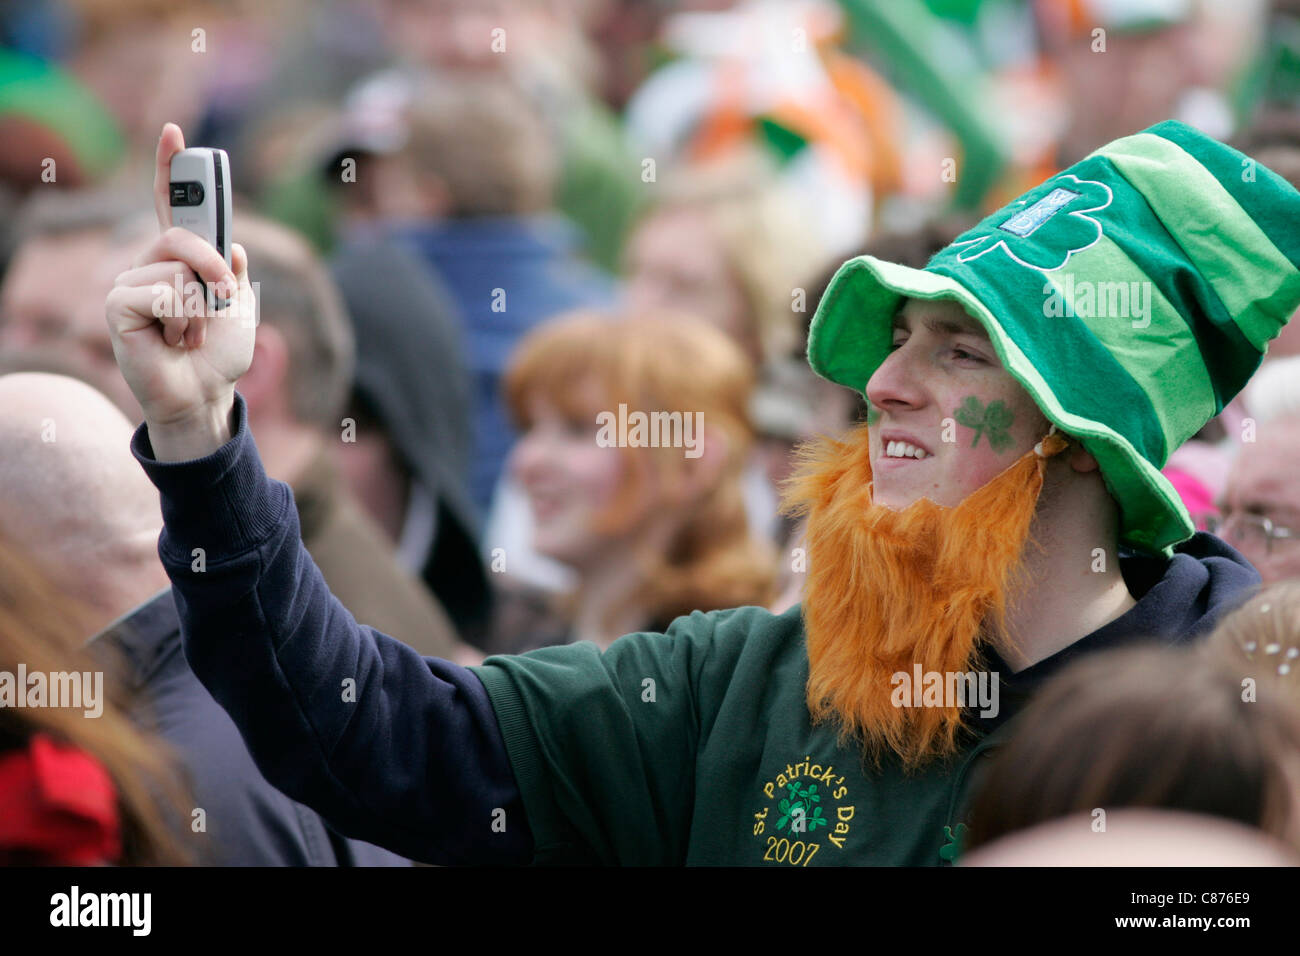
x=1001, y=514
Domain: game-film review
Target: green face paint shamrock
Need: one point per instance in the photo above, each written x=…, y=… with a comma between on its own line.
x=992, y=420
x=1044, y=229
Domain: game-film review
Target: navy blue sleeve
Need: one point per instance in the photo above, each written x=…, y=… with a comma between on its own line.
x=390, y=747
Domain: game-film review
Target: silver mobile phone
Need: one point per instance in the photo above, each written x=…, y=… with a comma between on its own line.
x=199, y=195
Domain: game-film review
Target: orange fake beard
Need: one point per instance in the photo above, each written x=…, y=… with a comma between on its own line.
x=886, y=590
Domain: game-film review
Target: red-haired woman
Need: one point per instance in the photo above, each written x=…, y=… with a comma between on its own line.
x=650, y=532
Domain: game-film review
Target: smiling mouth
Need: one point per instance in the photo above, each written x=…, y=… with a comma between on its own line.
x=903, y=451
x=545, y=507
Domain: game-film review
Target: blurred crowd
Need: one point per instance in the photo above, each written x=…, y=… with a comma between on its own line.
x=479, y=225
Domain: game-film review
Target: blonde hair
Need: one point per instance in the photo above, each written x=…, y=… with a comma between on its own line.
x=1261, y=638
x=660, y=363
x=485, y=141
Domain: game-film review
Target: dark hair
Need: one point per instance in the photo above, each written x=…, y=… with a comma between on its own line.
x=298, y=296
x=1150, y=727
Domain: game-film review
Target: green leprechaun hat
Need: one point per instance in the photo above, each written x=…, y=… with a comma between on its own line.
x=1133, y=295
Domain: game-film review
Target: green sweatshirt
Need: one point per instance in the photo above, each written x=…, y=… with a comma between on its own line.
x=694, y=747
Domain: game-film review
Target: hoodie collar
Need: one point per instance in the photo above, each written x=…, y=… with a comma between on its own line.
x=1179, y=599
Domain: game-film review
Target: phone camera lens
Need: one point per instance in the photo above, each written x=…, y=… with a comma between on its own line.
x=195, y=193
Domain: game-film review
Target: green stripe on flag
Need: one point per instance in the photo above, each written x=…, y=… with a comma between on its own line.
x=785, y=142
x=1252, y=277
x=1106, y=290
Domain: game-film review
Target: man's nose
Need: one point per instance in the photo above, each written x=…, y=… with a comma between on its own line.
x=897, y=382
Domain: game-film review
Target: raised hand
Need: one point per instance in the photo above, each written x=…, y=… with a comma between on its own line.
x=180, y=359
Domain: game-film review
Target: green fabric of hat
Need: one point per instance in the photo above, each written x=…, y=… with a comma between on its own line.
x=1133, y=295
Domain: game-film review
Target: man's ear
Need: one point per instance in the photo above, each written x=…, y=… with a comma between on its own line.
x=267, y=375
x=1080, y=460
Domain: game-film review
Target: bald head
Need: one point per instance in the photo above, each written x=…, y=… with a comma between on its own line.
x=74, y=498
x=1137, y=836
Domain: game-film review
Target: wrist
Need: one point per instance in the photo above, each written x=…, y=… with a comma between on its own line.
x=197, y=434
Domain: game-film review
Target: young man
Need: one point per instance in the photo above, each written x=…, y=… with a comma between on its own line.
x=960, y=549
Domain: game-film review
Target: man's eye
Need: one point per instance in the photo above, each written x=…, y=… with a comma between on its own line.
x=963, y=354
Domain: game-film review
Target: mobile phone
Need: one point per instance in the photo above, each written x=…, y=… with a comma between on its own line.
x=199, y=195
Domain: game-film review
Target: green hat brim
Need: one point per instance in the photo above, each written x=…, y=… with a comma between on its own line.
x=851, y=336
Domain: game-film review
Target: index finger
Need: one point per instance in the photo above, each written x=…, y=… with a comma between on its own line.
x=177, y=244
x=171, y=141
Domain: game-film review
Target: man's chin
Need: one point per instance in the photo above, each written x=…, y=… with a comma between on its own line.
x=898, y=492
x=894, y=500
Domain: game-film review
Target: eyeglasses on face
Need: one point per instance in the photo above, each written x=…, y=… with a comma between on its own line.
x=1251, y=529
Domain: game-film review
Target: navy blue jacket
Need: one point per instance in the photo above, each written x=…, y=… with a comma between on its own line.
x=247, y=822
x=531, y=261
x=404, y=751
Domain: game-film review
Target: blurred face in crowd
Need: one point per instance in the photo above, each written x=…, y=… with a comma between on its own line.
x=458, y=34
x=147, y=71
x=53, y=298
x=1139, y=76
x=570, y=481
x=623, y=33
x=375, y=473
x=1264, y=486
x=944, y=378
x=676, y=262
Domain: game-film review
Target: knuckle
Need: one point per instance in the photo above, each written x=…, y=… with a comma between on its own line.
x=175, y=238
